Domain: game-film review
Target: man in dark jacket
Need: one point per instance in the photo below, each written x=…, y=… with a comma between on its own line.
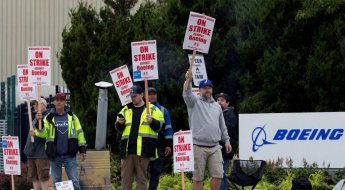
x=231, y=123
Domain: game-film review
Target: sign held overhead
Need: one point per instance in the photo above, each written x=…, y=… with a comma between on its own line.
x=199, y=32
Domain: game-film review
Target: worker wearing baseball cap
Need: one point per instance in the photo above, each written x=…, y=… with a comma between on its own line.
x=138, y=144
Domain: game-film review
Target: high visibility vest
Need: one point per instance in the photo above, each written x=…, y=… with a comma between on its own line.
x=147, y=137
x=76, y=137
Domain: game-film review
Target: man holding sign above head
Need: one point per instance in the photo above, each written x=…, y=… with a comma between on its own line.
x=208, y=126
x=139, y=138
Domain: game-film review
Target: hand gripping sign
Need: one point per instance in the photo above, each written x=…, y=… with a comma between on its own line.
x=144, y=59
x=199, y=32
x=199, y=69
x=123, y=82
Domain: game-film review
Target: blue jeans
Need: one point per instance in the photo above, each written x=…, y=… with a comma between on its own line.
x=70, y=163
x=156, y=169
x=225, y=185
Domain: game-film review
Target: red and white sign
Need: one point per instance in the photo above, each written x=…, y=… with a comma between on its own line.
x=123, y=82
x=199, y=32
x=26, y=91
x=199, y=69
x=39, y=65
x=144, y=59
x=10, y=147
x=196, y=91
x=183, y=151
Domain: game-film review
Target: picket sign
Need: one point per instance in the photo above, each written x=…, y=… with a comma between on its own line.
x=26, y=92
x=183, y=153
x=11, y=157
x=198, y=34
x=145, y=66
x=122, y=82
x=39, y=66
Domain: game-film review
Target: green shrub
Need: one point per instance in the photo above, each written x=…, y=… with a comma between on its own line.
x=319, y=180
x=173, y=182
x=339, y=175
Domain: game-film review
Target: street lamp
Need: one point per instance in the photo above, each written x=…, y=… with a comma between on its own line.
x=102, y=112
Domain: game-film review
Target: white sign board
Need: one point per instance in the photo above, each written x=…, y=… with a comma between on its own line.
x=64, y=185
x=123, y=82
x=317, y=137
x=25, y=91
x=144, y=59
x=39, y=65
x=199, y=69
x=196, y=91
x=183, y=151
x=11, y=155
x=199, y=32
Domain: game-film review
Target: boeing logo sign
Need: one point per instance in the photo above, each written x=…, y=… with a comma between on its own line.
x=259, y=135
x=299, y=136
x=259, y=138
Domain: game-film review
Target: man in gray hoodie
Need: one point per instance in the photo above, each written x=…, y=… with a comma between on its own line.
x=207, y=123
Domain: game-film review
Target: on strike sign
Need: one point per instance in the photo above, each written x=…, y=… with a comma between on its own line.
x=39, y=65
x=199, y=32
x=10, y=147
x=183, y=151
x=123, y=83
x=199, y=69
x=144, y=59
x=26, y=91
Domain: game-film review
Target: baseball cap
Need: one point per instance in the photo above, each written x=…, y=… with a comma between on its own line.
x=151, y=89
x=136, y=90
x=60, y=96
x=205, y=83
x=223, y=95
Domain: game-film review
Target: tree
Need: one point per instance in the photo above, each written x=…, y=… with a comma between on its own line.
x=96, y=43
x=289, y=54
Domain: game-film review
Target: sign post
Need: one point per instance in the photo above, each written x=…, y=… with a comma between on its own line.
x=123, y=82
x=39, y=70
x=183, y=153
x=26, y=92
x=11, y=156
x=145, y=66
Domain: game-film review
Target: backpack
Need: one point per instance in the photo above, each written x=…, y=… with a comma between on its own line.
x=301, y=183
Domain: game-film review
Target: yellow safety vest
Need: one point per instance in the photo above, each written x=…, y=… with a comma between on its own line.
x=147, y=137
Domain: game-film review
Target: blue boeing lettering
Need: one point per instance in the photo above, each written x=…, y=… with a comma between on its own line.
x=308, y=134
